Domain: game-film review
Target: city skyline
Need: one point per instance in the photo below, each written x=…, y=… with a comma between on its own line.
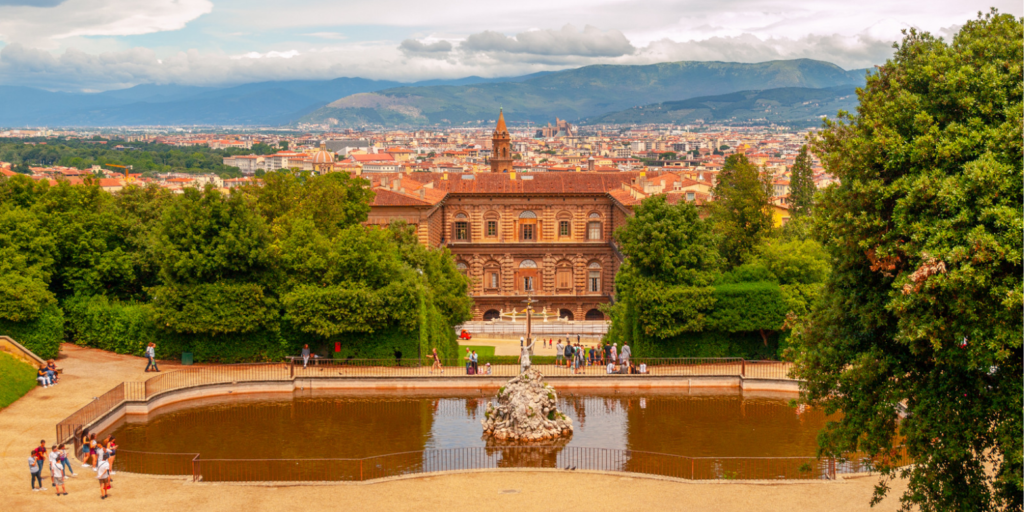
x=92, y=45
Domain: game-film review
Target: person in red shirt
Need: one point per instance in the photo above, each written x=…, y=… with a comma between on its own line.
x=40, y=454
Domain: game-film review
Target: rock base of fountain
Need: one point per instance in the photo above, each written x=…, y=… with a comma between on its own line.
x=527, y=411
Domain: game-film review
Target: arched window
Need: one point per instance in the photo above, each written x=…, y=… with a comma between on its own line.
x=492, y=314
x=462, y=267
x=528, y=264
x=527, y=215
x=565, y=314
x=564, y=225
x=595, y=215
x=595, y=315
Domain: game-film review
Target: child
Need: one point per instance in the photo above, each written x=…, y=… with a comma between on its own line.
x=57, y=472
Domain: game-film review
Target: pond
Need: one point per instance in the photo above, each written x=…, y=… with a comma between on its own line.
x=355, y=425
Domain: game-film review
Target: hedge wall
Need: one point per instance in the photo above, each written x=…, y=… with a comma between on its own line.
x=42, y=336
x=124, y=328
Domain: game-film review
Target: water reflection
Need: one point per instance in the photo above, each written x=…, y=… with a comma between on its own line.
x=358, y=425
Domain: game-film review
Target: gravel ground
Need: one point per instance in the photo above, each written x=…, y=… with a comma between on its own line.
x=89, y=373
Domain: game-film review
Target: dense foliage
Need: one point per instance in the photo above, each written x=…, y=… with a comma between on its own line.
x=742, y=208
x=801, y=185
x=142, y=156
x=923, y=307
x=675, y=296
x=250, y=275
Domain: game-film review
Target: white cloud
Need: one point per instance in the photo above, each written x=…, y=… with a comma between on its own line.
x=46, y=27
x=590, y=42
x=328, y=35
x=413, y=48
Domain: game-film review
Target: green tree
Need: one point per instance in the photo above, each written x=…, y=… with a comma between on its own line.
x=215, y=265
x=923, y=309
x=741, y=211
x=283, y=144
x=794, y=262
x=801, y=185
x=669, y=243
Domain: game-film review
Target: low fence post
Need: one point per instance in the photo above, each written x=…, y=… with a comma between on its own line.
x=360, y=470
x=291, y=369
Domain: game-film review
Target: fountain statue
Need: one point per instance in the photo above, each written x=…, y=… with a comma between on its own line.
x=527, y=411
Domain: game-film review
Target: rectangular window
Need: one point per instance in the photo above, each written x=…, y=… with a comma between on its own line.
x=492, y=278
x=527, y=231
x=563, y=228
x=563, y=279
x=594, y=281
x=492, y=228
x=594, y=231
x=528, y=284
x=462, y=231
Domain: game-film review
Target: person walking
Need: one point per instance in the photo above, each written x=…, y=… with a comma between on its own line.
x=103, y=475
x=437, y=361
x=305, y=356
x=65, y=463
x=559, y=355
x=57, y=472
x=151, y=356
x=36, y=471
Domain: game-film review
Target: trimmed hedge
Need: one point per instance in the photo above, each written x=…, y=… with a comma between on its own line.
x=124, y=328
x=42, y=335
x=748, y=307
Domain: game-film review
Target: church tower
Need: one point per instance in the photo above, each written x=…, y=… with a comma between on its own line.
x=501, y=147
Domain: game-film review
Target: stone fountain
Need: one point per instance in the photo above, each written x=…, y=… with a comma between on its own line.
x=527, y=411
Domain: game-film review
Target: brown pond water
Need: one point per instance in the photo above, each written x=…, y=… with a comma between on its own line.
x=356, y=425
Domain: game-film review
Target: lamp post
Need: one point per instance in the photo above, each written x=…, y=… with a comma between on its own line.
x=529, y=317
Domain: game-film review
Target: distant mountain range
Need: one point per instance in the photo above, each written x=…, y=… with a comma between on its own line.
x=588, y=94
x=261, y=103
x=578, y=94
x=786, y=105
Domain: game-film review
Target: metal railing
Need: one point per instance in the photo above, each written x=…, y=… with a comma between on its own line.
x=552, y=328
x=487, y=457
x=570, y=458
x=451, y=368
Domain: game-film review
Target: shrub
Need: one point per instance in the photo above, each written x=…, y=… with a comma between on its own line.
x=124, y=328
x=42, y=335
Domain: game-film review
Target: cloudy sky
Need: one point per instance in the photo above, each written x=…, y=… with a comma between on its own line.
x=108, y=44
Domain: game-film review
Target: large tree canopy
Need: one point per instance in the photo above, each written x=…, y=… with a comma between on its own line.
x=923, y=308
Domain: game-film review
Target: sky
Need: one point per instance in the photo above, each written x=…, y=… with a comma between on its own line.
x=95, y=45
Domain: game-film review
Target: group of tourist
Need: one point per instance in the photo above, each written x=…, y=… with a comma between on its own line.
x=472, y=363
x=577, y=357
x=47, y=375
x=100, y=453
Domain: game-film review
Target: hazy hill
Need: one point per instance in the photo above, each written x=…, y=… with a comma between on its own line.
x=578, y=93
x=260, y=103
x=787, y=105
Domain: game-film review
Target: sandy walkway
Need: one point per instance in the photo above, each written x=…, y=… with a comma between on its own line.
x=89, y=373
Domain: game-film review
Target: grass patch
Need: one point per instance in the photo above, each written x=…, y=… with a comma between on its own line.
x=16, y=378
x=481, y=350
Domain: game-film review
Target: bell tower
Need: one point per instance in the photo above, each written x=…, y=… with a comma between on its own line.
x=501, y=147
